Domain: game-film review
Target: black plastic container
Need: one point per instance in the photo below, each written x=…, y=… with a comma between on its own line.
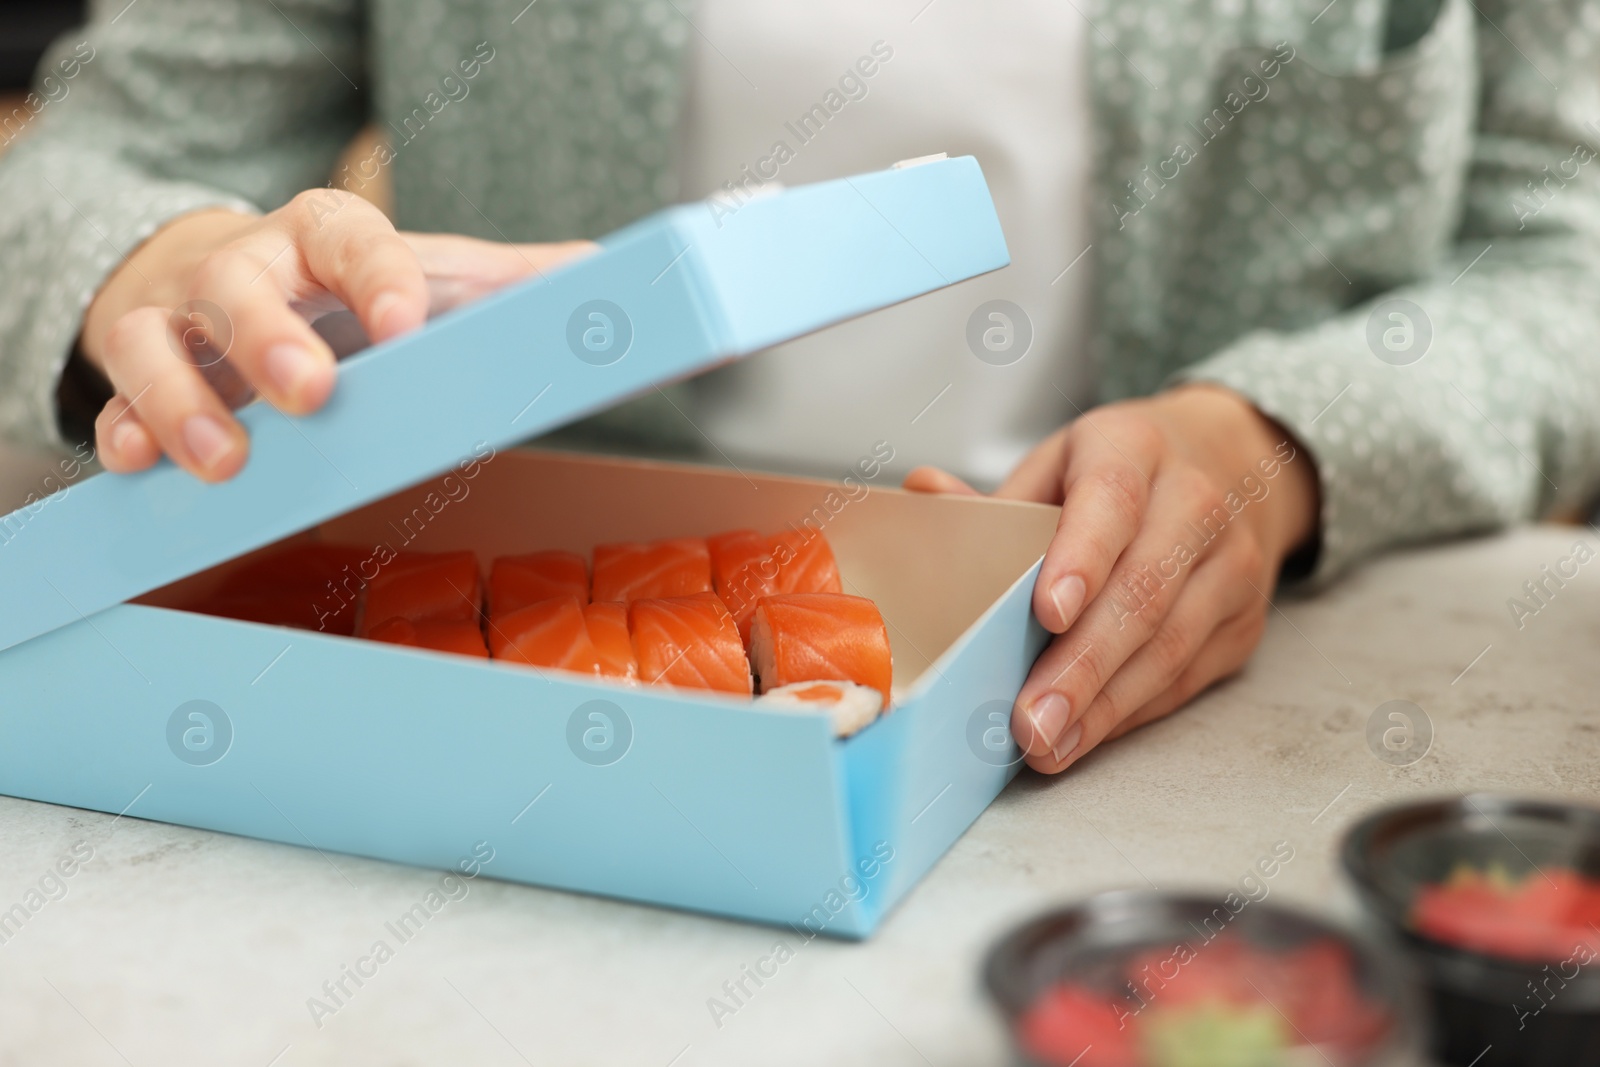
x=1081, y=941
x=1486, y=1011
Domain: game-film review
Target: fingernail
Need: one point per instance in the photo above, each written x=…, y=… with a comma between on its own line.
x=1049, y=716
x=1067, y=595
x=384, y=311
x=206, y=440
x=125, y=438
x=290, y=368
x=1067, y=742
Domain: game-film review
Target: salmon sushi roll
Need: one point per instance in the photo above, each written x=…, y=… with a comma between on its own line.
x=568, y=635
x=742, y=572
x=690, y=642
x=848, y=705
x=805, y=563
x=745, y=567
x=441, y=635
x=311, y=564
x=548, y=633
x=517, y=581
x=820, y=637
x=613, y=643
x=309, y=586
x=442, y=586
x=651, y=570
x=299, y=608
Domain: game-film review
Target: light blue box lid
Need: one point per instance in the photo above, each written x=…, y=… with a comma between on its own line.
x=669, y=296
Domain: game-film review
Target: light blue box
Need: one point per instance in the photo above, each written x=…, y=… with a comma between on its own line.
x=357, y=747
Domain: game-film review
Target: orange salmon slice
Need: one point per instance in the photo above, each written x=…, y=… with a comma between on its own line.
x=690, y=642
x=566, y=634
x=746, y=567
x=651, y=570
x=815, y=637
x=517, y=581
x=441, y=635
x=433, y=586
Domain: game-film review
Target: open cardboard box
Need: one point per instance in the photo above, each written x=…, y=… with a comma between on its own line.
x=696, y=800
x=683, y=798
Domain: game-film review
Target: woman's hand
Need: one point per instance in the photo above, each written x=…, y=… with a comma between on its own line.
x=250, y=287
x=1177, y=513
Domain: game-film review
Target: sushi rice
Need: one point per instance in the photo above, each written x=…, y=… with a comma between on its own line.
x=850, y=706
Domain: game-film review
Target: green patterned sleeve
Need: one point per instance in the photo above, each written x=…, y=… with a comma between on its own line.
x=153, y=110
x=1499, y=419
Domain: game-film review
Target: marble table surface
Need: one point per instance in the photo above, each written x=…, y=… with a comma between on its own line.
x=175, y=946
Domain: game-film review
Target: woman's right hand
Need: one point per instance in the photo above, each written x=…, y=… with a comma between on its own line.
x=252, y=285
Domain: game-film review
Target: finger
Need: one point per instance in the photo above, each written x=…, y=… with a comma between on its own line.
x=1224, y=653
x=543, y=257
x=1135, y=600
x=1217, y=592
x=934, y=480
x=1040, y=474
x=122, y=443
x=354, y=251
x=268, y=343
x=1107, y=487
x=187, y=419
x=462, y=269
x=451, y=255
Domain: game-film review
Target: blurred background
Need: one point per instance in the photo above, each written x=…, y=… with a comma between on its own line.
x=26, y=29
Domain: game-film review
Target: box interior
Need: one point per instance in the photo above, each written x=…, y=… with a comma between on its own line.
x=933, y=564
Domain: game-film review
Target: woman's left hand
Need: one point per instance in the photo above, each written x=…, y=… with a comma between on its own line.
x=1177, y=512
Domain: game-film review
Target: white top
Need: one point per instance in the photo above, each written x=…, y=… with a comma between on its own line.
x=1005, y=82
